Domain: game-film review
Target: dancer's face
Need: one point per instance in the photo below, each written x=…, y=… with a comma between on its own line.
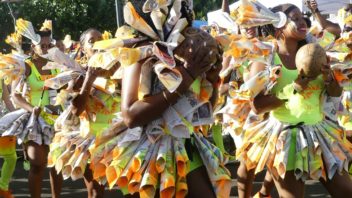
x=60, y=45
x=89, y=41
x=43, y=47
x=296, y=28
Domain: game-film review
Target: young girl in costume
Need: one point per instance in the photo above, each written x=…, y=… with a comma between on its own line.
x=7, y=143
x=95, y=106
x=233, y=121
x=234, y=112
x=31, y=122
x=7, y=148
x=297, y=141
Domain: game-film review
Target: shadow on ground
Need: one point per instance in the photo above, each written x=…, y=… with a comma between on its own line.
x=76, y=189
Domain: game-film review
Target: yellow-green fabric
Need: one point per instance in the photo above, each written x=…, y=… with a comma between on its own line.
x=196, y=161
x=301, y=107
x=104, y=106
x=217, y=137
x=7, y=169
x=36, y=85
x=347, y=125
x=291, y=161
x=243, y=69
x=8, y=153
x=287, y=76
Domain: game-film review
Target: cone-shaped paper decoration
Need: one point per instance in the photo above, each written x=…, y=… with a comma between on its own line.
x=125, y=32
x=26, y=29
x=117, y=42
x=47, y=25
x=151, y=5
x=107, y=35
x=11, y=68
x=15, y=40
x=252, y=13
x=133, y=19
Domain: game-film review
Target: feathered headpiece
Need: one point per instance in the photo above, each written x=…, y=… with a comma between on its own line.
x=15, y=40
x=47, y=25
x=252, y=13
x=25, y=28
x=12, y=67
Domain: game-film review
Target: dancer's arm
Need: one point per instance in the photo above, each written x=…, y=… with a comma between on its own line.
x=332, y=87
x=6, y=95
x=263, y=103
x=17, y=97
x=325, y=24
x=138, y=112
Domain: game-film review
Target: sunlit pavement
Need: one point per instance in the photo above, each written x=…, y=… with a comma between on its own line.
x=76, y=189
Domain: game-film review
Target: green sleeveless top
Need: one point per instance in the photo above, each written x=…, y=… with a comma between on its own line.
x=300, y=107
x=288, y=76
x=36, y=84
x=104, y=106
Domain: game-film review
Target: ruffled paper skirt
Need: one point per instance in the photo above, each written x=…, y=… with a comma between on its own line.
x=26, y=127
x=311, y=151
x=69, y=150
x=69, y=154
x=135, y=162
x=345, y=112
x=3, y=109
x=234, y=115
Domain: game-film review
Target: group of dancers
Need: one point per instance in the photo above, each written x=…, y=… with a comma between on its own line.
x=148, y=110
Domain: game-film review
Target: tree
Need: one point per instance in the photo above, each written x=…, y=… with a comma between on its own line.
x=202, y=7
x=68, y=16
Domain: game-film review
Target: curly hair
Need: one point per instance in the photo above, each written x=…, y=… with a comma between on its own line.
x=44, y=33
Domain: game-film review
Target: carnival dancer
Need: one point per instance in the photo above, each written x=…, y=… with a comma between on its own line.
x=8, y=143
x=340, y=58
x=31, y=122
x=294, y=143
x=234, y=112
x=7, y=148
x=160, y=152
x=91, y=112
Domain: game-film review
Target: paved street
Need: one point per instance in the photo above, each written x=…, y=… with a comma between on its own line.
x=76, y=189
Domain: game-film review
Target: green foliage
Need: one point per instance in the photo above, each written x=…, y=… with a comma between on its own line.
x=68, y=16
x=202, y=7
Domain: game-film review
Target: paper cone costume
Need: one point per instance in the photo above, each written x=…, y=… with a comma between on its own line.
x=154, y=157
x=25, y=28
x=252, y=13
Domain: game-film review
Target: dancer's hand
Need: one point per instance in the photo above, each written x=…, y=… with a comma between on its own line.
x=312, y=5
x=36, y=110
x=327, y=74
x=79, y=104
